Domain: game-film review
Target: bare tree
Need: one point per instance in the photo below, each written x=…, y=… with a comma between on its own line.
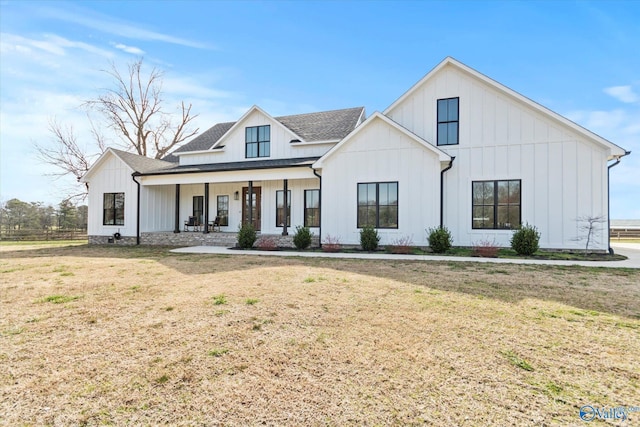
x=589, y=226
x=134, y=111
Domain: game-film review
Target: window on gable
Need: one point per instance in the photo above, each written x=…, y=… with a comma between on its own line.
x=113, y=209
x=378, y=204
x=448, y=110
x=312, y=208
x=223, y=210
x=496, y=204
x=280, y=208
x=257, y=141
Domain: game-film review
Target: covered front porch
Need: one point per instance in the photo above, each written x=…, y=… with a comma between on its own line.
x=208, y=208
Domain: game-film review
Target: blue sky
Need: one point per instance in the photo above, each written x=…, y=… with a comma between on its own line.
x=581, y=59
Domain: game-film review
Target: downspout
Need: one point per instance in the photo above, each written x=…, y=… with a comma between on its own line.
x=315, y=172
x=442, y=190
x=609, y=200
x=133, y=176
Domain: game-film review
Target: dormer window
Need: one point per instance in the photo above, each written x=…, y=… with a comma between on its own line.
x=448, y=121
x=258, y=140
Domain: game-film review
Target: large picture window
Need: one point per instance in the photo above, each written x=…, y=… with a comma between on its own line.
x=223, y=210
x=258, y=140
x=113, y=209
x=312, y=208
x=448, y=112
x=280, y=208
x=378, y=204
x=496, y=204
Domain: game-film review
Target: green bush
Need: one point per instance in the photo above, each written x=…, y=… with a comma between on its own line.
x=247, y=236
x=369, y=238
x=302, y=238
x=440, y=239
x=525, y=240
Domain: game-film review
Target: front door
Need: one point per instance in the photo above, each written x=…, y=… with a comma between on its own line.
x=255, y=206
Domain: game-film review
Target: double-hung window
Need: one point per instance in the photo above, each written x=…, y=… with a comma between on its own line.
x=378, y=204
x=312, y=208
x=280, y=208
x=257, y=141
x=496, y=204
x=113, y=209
x=223, y=210
x=448, y=112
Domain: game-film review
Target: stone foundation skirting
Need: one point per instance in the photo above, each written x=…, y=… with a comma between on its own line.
x=194, y=238
x=110, y=240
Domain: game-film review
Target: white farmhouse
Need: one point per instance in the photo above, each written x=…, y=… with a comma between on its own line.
x=457, y=149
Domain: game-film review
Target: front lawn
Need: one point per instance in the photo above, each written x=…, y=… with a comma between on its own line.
x=138, y=335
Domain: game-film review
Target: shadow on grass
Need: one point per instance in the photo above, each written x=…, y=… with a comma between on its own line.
x=608, y=290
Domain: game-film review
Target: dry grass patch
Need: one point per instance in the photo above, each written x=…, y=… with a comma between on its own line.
x=161, y=338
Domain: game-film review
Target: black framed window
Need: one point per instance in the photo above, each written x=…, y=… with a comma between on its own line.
x=496, y=204
x=198, y=208
x=113, y=209
x=258, y=141
x=448, y=113
x=223, y=210
x=280, y=208
x=378, y=204
x=312, y=208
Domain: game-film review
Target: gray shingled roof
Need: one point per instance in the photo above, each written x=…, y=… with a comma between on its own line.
x=322, y=126
x=142, y=164
x=234, y=166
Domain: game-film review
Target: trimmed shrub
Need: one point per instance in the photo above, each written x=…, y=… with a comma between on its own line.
x=302, y=238
x=331, y=244
x=247, y=236
x=440, y=239
x=525, y=240
x=369, y=238
x=486, y=249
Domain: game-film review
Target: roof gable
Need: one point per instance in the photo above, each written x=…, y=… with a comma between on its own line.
x=135, y=162
x=615, y=150
x=442, y=156
x=322, y=126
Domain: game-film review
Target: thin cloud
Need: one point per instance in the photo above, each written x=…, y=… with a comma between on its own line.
x=129, y=49
x=109, y=25
x=622, y=93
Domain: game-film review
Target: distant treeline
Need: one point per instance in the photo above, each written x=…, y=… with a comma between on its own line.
x=36, y=221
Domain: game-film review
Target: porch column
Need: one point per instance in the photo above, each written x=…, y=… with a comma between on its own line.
x=286, y=203
x=250, y=204
x=177, y=225
x=206, y=208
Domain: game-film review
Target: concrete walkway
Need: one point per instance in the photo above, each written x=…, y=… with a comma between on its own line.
x=630, y=250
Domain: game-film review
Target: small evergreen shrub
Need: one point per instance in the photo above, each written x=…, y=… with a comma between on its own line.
x=440, y=239
x=525, y=240
x=302, y=238
x=369, y=238
x=247, y=236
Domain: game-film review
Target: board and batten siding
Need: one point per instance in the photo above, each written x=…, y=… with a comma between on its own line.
x=563, y=173
x=381, y=153
x=114, y=176
x=234, y=144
